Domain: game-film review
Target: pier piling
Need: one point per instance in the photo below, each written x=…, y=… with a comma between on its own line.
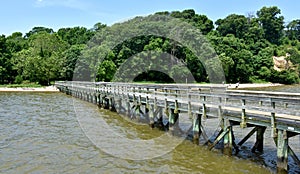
x=161, y=105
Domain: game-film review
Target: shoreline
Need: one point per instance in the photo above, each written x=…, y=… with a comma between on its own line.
x=252, y=85
x=54, y=89
x=29, y=89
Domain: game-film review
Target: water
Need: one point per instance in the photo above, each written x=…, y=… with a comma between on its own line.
x=283, y=88
x=40, y=133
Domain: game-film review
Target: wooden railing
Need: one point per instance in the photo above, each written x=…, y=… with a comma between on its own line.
x=259, y=109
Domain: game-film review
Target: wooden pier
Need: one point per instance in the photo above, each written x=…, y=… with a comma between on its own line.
x=154, y=103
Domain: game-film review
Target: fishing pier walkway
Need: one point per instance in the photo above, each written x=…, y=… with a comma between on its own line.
x=164, y=105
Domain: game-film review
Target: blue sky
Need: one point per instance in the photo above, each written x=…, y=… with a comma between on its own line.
x=23, y=15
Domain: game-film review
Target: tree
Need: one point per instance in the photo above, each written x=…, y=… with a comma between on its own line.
x=233, y=24
x=98, y=27
x=264, y=59
x=201, y=22
x=16, y=42
x=227, y=64
x=293, y=30
x=294, y=55
x=43, y=60
x=4, y=60
x=70, y=57
x=35, y=30
x=271, y=23
x=106, y=71
x=75, y=35
x=264, y=73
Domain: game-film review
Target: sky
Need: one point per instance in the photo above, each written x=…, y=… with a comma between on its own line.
x=23, y=15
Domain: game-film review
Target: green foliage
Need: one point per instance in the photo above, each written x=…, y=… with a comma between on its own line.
x=106, y=71
x=264, y=73
x=294, y=55
x=202, y=22
x=233, y=24
x=18, y=79
x=244, y=46
x=272, y=24
x=98, y=27
x=77, y=35
x=285, y=77
x=37, y=30
x=42, y=61
x=180, y=73
x=227, y=63
x=70, y=57
x=293, y=30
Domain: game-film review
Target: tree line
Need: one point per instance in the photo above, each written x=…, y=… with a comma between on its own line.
x=245, y=45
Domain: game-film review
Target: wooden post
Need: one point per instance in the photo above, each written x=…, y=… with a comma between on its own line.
x=135, y=107
x=196, y=128
x=220, y=115
x=151, y=116
x=86, y=94
x=155, y=103
x=150, y=109
x=273, y=121
x=282, y=152
x=166, y=107
x=227, y=138
x=99, y=100
x=204, y=107
x=119, y=104
x=176, y=109
x=173, y=120
x=189, y=106
x=160, y=117
x=106, y=103
x=103, y=100
x=128, y=105
x=243, y=120
x=259, y=144
x=95, y=98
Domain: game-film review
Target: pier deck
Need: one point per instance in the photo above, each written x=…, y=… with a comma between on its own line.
x=228, y=108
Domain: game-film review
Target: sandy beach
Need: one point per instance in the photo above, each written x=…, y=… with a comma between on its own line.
x=252, y=85
x=42, y=89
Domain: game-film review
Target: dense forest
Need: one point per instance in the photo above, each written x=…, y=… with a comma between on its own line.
x=257, y=47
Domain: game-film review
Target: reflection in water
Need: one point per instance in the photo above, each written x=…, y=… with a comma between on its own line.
x=40, y=134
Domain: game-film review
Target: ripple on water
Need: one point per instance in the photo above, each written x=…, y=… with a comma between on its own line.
x=40, y=134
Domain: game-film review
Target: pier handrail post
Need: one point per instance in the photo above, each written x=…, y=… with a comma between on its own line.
x=273, y=120
x=204, y=107
x=220, y=115
x=243, y=123
x=189, y=105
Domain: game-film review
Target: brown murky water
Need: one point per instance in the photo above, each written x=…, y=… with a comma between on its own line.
x=40, y=133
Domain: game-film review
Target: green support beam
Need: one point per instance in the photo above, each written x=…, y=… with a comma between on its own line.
x=282, y=152
x=196, y=127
